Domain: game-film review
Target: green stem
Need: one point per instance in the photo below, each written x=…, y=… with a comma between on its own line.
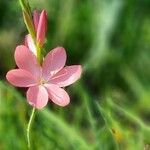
x=29, y=127
x=39, y=57
x=30, y=27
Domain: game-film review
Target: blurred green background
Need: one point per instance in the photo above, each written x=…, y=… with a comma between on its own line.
x=110, y=104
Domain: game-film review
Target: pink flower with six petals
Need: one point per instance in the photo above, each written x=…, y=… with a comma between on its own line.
x=46, y=81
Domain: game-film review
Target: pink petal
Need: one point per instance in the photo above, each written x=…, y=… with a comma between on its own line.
x=53, y=62
x=20, y=78
x=67, y=76
x=58, y=95
x=26, y=60
x=30, y=44
x=42, y=25
x=37, y=96
x=36, y=16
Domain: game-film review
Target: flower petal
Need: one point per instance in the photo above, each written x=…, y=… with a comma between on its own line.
x=20, y=78
x=53, y=62
x=37, y=96
x=30, y=44
x=42, y=25
x=67, y=76
x=58, y=95
x=26, y=60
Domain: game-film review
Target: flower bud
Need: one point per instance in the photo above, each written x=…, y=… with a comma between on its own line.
x=29, y=24
x=41, y=29
x=36, y=16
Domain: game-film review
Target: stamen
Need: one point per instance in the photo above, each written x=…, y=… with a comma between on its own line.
x=42, y=81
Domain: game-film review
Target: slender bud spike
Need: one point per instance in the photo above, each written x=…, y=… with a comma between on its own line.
x=29, y=24
x=22, y=4
x=25, y=6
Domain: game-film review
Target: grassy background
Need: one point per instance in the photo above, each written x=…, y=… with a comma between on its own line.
x=110, y=105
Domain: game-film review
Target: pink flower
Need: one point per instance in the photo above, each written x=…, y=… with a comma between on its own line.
x=46, y=81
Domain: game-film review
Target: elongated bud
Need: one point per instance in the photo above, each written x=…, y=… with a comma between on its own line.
x=25, y=6
x=36, y=16
x=41, y=30
x=29, y=24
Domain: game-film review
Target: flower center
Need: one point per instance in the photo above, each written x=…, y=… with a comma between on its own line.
x=42, y=81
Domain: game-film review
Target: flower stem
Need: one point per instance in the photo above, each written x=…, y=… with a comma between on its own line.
x=29, y=127
x=39, y=56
